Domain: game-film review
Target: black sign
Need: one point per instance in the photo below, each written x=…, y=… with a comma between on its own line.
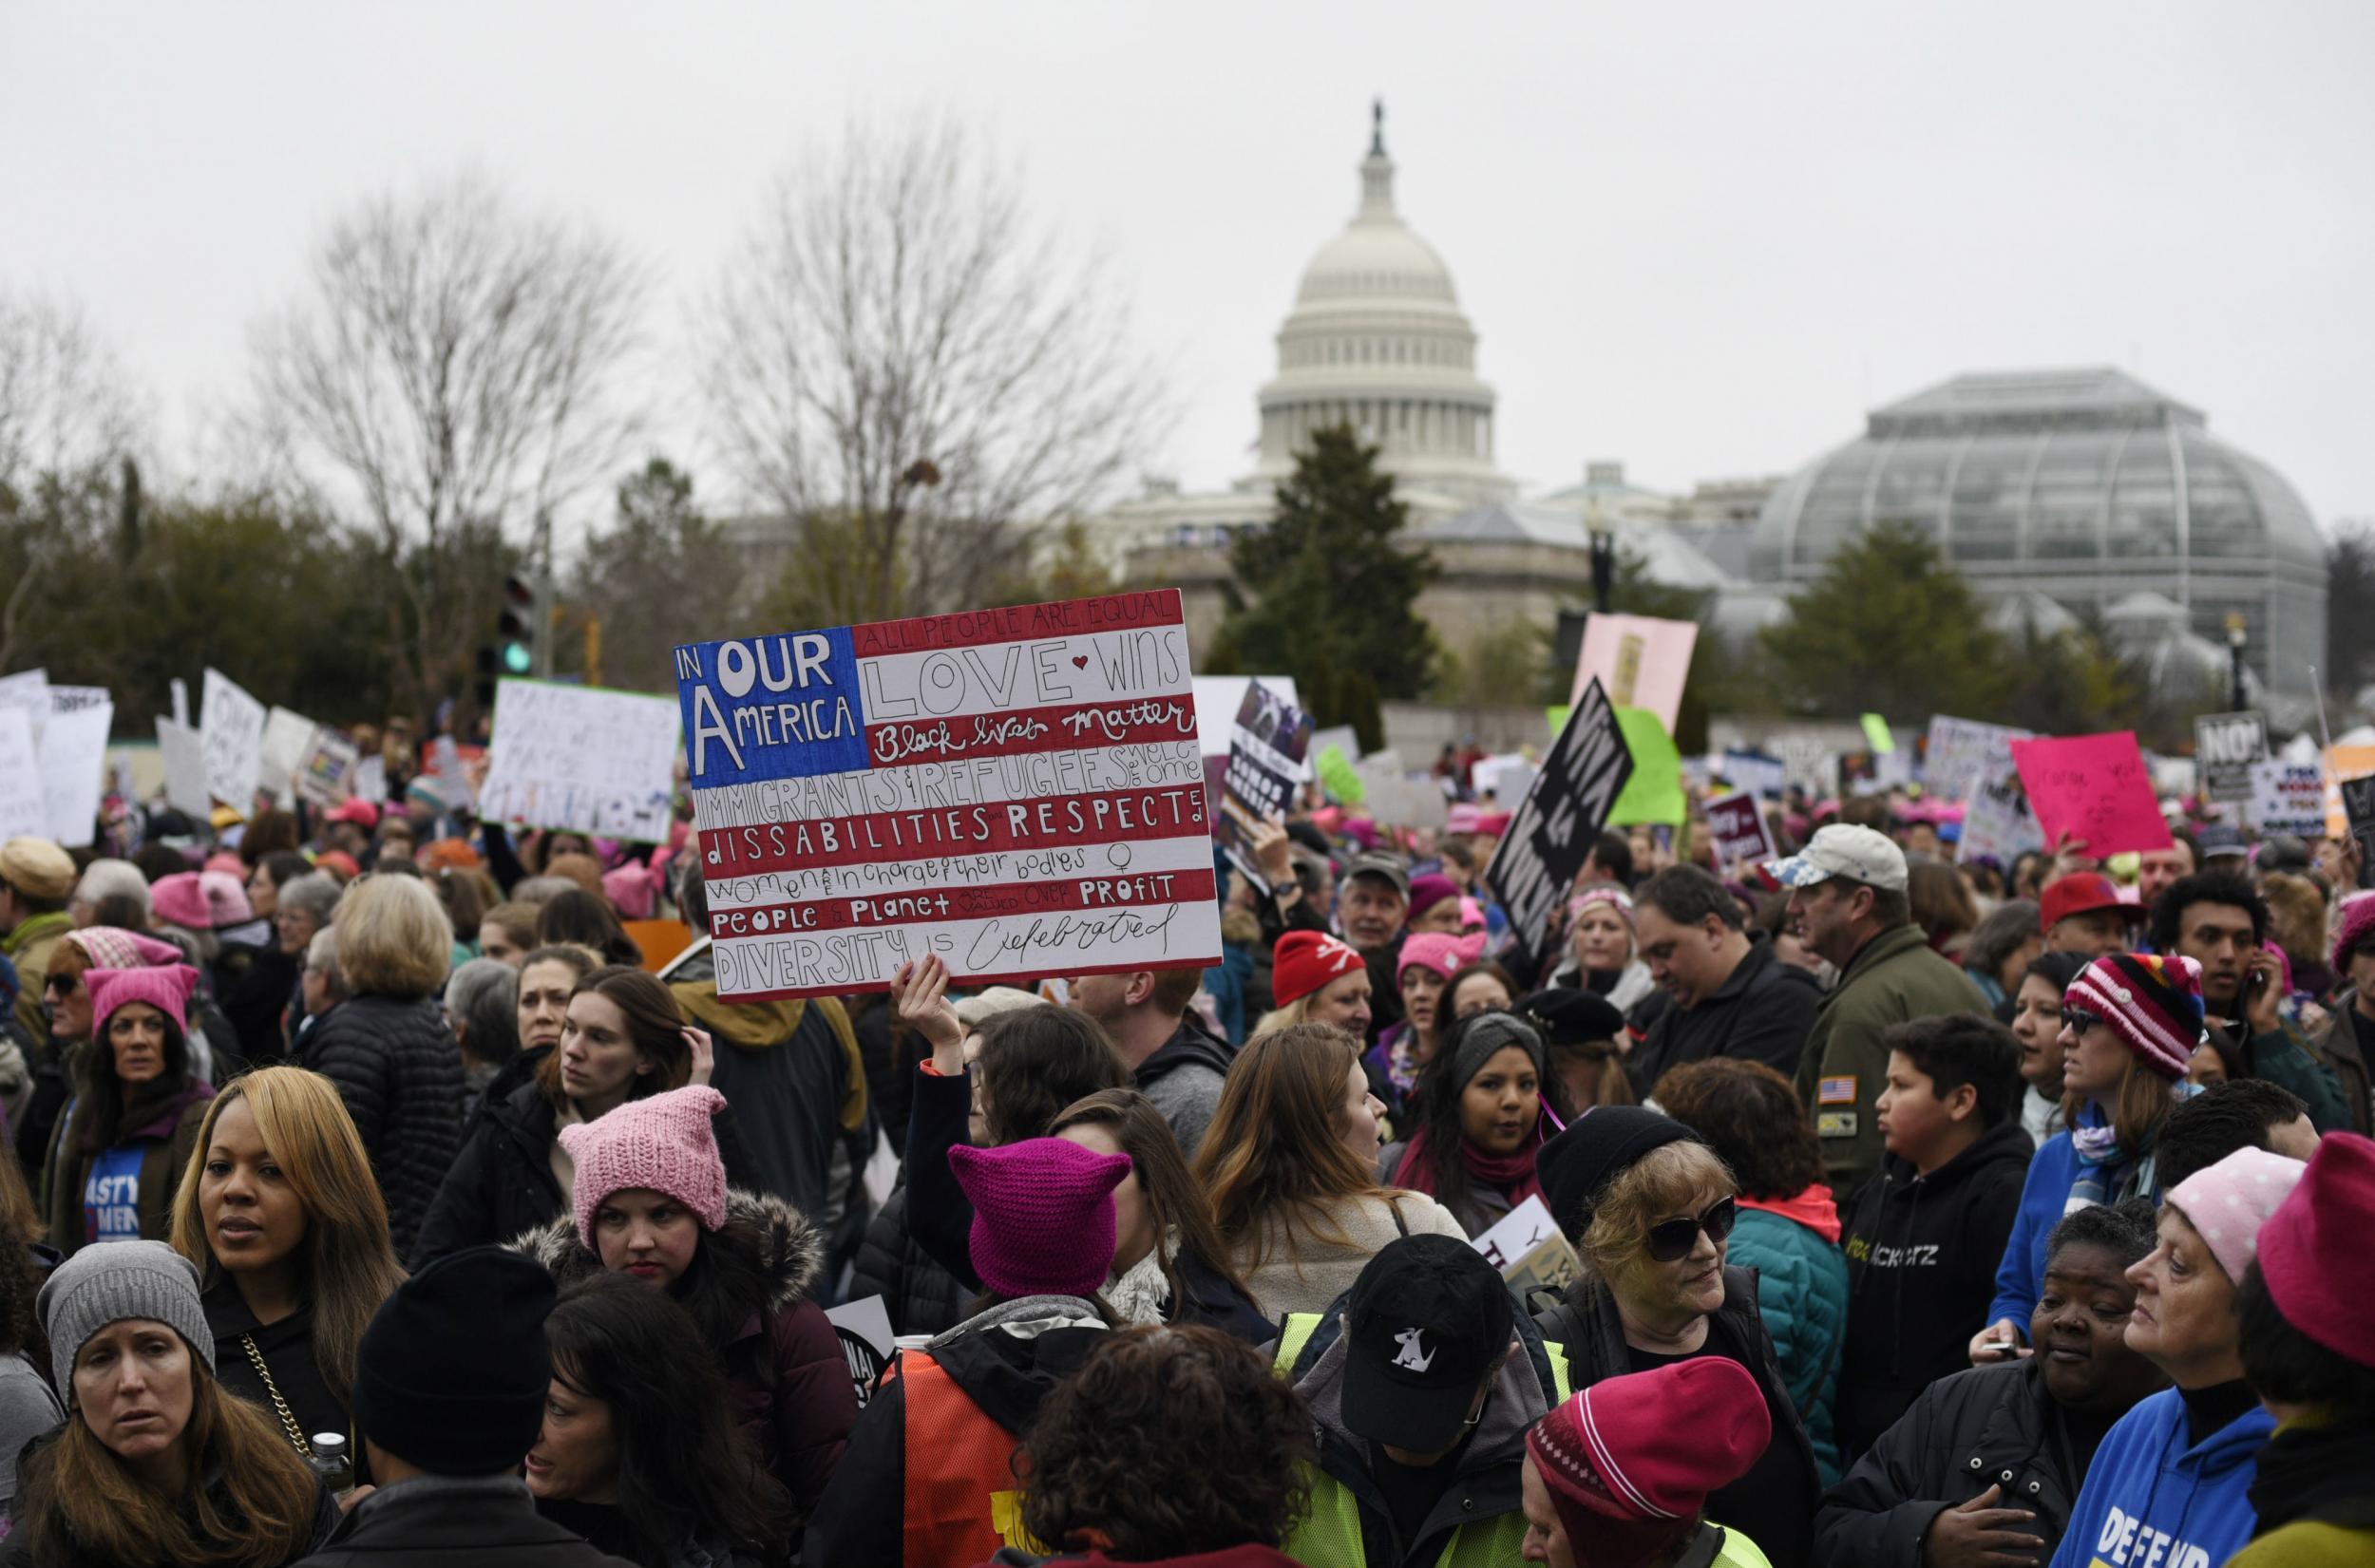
x=1552, y=834
x=1265, y=758
x=2357, y=805
x=2225, y=746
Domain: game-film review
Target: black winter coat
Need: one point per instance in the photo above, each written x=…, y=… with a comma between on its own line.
x=455, y=1521
x=1984, y=1426
x=400, y=1073
x=502, y=1184
x=1585, y=1322
x=1760, y=1013
x=920, y=1295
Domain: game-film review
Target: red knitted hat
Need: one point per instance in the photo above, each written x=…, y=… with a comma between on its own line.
x=661, y=1144
x=167, y=987
x=1042, y=1214
x=1633, y=1453
x=1305, y=960
x=2152, y=1001
x=2313, y=1251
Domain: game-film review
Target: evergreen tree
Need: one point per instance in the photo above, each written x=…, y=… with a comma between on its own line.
x=1889, y=628
x=1328, y=593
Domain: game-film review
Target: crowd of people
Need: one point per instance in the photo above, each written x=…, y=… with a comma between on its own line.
x=392, y=1187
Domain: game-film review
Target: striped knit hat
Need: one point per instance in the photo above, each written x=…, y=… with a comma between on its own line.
x=2153, y=1001
x=1629, y=1461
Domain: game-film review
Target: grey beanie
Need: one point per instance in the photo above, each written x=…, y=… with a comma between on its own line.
x=1479, y=1037
x=109, y=1281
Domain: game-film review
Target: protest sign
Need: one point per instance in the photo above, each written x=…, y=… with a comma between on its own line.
x=1556, y=716
x=1506, y=777
x=2287, y=798
x=1393, y=799
x=1344, y=737
x=326, y=774
x=232, y=731
x=1737, y=822
x=1963, y=753
x=1265, y=758
x=1878, y=736
x=1526, y=1246
x=582, y=758
x=1998, y=825
x=1550, y=834
x=73, y=699
x=449, y=777
x=2358, y=808
x=1653, y=793
x=23, y=811
x=2343, y=761
x=1339, y=777
x=1018, y=792
x=185, y=757
x=2225, y=746
x=1219, y=697
x=1640, y=661
x=1755, y=773
x=2095, y=789
x=73, y=768
x=288, y=741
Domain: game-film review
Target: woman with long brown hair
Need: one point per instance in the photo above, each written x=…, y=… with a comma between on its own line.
x=28, y=1404
x=137, y=1107
x=154, y=1464
x=280, y=1216
x=1170, y=1263
x=1290, y=1164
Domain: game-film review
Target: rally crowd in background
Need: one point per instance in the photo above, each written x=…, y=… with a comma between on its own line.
x=393, y=1188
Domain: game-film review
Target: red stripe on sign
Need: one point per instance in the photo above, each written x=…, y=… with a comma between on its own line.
x=1067, y=727
x=973, y=628
x=967, y=903
x=1021, y=979
x=1175, y=811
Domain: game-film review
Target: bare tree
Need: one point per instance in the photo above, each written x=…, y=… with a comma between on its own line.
x=69, y=422
x=454, y=375
x=915, y=373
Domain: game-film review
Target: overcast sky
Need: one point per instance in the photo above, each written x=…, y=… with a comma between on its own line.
x=1702, y=239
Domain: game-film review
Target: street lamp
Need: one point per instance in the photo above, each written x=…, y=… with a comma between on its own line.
x=2235, y=639
x=1603, y=557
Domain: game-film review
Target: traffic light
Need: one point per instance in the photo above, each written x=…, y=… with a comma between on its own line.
x=513, y=652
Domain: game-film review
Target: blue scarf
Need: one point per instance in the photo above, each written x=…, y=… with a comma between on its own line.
x=2107, y=1173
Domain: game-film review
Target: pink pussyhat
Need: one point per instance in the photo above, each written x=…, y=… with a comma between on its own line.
x=181, y=900
x=632, y=891
x=1042, y=1214
x=166, y=988
x=664, y=1144
x=2228, y=1202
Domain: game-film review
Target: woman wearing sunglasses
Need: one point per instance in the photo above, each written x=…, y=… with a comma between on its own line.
x=2129, y=1024
x=1650, y=1209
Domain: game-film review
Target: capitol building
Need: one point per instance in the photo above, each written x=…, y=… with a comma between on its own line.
x=2055, y=492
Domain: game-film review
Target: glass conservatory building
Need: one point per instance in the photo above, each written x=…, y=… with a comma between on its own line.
x=2085, y=485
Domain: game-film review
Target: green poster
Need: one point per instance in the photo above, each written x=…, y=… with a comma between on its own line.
x=1654, y=793
x=1336, y=773
x=1876, y=731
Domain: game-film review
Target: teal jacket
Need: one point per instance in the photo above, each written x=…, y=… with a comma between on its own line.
x=1793, y=1248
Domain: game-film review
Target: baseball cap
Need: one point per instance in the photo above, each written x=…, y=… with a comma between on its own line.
x=358, y=811
x=1377, y=862
x=2218, y=838
x=1424, y=1322
x=1859, y=854
x=2081, y=893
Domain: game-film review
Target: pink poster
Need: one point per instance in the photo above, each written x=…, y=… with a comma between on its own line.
x=1640, y=661
x=2095, y=788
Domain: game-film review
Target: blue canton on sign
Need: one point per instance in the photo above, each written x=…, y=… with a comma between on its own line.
x=782, y=706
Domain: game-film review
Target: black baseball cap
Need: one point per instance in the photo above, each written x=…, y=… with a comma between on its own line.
x=1424, y=1325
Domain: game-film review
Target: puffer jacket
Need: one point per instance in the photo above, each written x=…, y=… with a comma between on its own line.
x=784, y=1368
x=1793, y=1248
x=502, y=1182
x=921, y=1296
x=399, y=1072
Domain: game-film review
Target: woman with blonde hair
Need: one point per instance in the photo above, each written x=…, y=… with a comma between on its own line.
x=154, y=1464
x=1315, y=978
x=387, y=1047
x=1290, y=1163
x=280, y=1216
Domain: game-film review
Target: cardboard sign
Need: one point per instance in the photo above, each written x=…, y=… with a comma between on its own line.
x=2341, y=762
x=1755, y=773
x=1997, y=822
x=1526, y=1246
x=1961, y=754
x=2095, y=788
x=73, y=770
x=1506, y=777
x=1653, y=793
x=2287, y=798
x=1017, y=792
x=2225, y=746
x=1394, y=799
x=1265, y=759
x=1550, y=835
x=326, y=776
x=184, y=756
x=28, y=692
x=1640, y=661
x=1737, y=822
x=24, y=808
x=580, y=757
x=232, y=728
x=288, y=741
x=74, y=699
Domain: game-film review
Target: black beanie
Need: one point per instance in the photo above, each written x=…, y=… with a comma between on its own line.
x=1595, y=1148
x=453, y=1372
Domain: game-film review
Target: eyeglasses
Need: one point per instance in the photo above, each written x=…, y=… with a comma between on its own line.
x=1672, y=1240
x=2077, y=1020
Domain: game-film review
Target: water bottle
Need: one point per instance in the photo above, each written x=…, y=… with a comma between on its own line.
x=331, y=1462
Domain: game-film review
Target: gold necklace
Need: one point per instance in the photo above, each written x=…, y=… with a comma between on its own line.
x=280, y=1405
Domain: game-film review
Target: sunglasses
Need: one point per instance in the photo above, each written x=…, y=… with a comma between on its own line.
x=2077, y=1020
x=63, y=984
x=1672, y=1240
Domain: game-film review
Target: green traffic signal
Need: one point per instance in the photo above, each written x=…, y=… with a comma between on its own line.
x=517, y=659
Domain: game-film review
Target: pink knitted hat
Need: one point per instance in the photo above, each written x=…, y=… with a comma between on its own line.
x=632, y=891
x=663, y=1144
x=181, y=899
x=1434, y=950
x=1042, y=1214
x=112, y=947
x=2228, y=1202
x=166, y=988
x=1615, y=897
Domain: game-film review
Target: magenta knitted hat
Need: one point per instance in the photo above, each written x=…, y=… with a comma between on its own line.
x=181, y=899
x=2152, y=1001
x=2228, y=1202
x=2355, y=925
x=663, y=1144
x=1042, y=1214
x=166, y=988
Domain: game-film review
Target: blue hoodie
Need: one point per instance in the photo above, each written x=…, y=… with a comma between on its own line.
x=2150, y=1502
